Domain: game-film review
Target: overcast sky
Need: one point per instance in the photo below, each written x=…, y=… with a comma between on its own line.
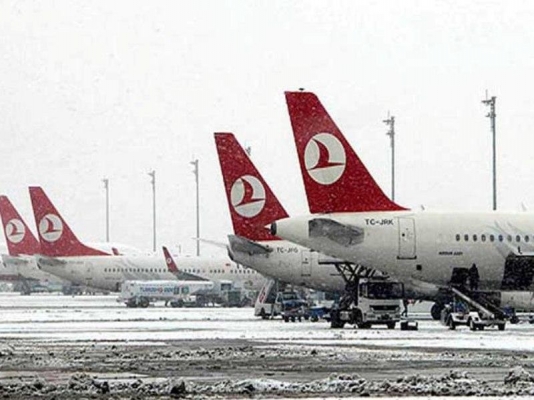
x=117, y=88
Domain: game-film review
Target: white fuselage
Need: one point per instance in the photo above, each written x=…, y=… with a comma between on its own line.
x=298, y=265
x=294, y=264
x=428, y=246
x=108, y=272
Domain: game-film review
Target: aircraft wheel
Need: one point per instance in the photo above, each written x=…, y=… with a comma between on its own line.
x=391, y=325
x=501, y=327
x=451, y=324
x=435, y=311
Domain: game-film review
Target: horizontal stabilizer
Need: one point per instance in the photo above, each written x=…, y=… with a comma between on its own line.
x=243, y=245
x=15, y=261
x=214, y=243
x=345, y=235
x=49, y=261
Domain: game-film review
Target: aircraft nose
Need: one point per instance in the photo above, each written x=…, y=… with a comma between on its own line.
x=273, y=229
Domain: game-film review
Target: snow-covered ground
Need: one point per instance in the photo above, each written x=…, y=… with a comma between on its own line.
x=90, y=318
x=90, y=345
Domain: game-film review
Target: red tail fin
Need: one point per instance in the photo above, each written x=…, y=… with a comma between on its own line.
x=20, y=240
x=171, y=265
x=55, y=236
x=334, y=177
x=252, y=203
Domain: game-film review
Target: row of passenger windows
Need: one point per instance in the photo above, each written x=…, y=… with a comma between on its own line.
x=190, y=270
x=492, y=238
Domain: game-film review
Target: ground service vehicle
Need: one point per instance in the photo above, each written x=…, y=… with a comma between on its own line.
x=287, y=303
x=175, y=293
x=369, y=301
x=473, y=310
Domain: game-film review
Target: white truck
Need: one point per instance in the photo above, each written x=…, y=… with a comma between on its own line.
x=175, y=293
x=370, y=301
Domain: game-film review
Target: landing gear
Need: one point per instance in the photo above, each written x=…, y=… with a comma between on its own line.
x=435, y=311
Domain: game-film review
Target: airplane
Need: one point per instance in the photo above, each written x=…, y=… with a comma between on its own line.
x=352, y=219
x=253, y=205
x=21, y=246
x=63, y=255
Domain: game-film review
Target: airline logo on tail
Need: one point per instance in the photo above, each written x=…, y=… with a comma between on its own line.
x=50, y=227
x=325, y=158
x=15, y=230
x=248, y=196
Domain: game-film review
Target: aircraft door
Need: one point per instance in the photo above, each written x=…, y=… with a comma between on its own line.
x=88, y=273
x=406, y=239
x=306, y=266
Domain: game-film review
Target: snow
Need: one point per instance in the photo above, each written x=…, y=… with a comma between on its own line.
x=88, y=318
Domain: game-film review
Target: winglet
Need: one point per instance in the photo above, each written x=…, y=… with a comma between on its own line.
x=251, y=201
x=55, y=236
x=335, y=179
x=19, y=238
x=171, y=265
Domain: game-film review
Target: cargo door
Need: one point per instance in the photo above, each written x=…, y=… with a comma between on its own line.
x=406, y=239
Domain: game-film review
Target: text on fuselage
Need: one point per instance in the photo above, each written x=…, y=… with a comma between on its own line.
x=286, y=250
x=379, y=222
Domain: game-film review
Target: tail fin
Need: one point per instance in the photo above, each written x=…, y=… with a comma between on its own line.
x=171, y=265
x=55, y=236
x=251, y=202
x=20, y=240
x=334, y=177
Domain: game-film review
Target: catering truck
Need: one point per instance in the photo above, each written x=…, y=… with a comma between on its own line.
x=175, y=293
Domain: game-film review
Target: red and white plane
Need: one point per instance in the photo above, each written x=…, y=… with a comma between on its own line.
x=354, y=220
x=63, y=255
x=253, y=205
x=22, y=246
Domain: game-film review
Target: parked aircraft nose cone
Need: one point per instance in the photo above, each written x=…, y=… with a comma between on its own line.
x=273, y=229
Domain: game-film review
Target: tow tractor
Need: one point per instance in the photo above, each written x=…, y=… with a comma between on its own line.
x=472, y=310
x=368, y=299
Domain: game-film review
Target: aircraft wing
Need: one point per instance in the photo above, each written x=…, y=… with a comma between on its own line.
x=345, y=235
x=243, y=245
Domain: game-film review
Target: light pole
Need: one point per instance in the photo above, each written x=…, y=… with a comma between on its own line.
x=195, y=172
x=391, y=133
x=152, y=174
x=491, y=115
x=106, y=188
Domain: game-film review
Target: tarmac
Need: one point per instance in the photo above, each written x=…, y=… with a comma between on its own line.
x=61, y=347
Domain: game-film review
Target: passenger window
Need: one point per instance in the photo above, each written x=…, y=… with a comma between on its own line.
x=518, y=238
x=527, y=238
x=457, y=237
x=483, y=238
x=466, y=238
x=509, y=237
x=501, y=238
x=474, y=238
x=492, y=238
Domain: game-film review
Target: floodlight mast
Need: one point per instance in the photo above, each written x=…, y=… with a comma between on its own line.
x=492, y=116
x=390, y=121
x=196, y=172
x=106, y=188
x=152, y=175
